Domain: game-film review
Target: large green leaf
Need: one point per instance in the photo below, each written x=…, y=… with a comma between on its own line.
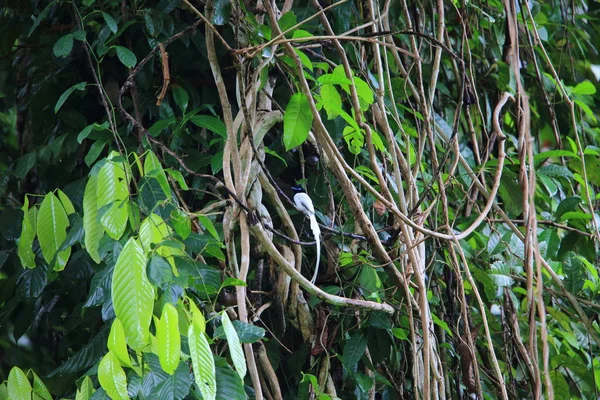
x=19, y=387
x=133, y=294
x=235, y=347
x=229, y=385
x=40, y=391
x=112, y=377
x=117, y=344
x=297, y=121
x=28, y=228
x=354, y=349
x=112, y=194
x=153, y=167
x=52, y=223
x=86, y=389
x=167, y=337
x=211, y=123
x=91, y=225
x=332, y=102
x=174, y=387
x=202, y=362
x=86, y=357
x=154, y=231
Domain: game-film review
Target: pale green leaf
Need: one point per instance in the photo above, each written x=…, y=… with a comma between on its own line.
x=40, y=391
x=586, y=88
x=24, y=249
x=112, y=377
x=91, y=225
x=66, y=202
x=235, y=347
x=19, y=387
x=117, y=344
x=153, y=167
x=297, y=121
x=332, y=102
x=203, y=363
x=154, y=231
x=178, y=177
x=112, y=189
x=86, y=390
x=306, y=63
x=133, y=294
x=167, y=337
x=52, y=223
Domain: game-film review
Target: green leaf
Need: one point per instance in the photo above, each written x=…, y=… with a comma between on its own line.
x=168, y=340
x=181, y=223
x=229, y=385
x=297, y=121
x=28, y=229
x=247, y=333
x=287, y=21
x=154, y=231
x=333, y=79
x=556, y=171
x=174, y=387
x=207, y=223
x=203, y=363
x=94, y=152
x=160, y=125
x=110, y=22
x=364, y=92
x=178, y=177
x=353, y=350
x=112, y=377
x=63, y=46
x=25, y=164
x=211, y=123
x=181, y=98
x=86, y=356
x=63, y=97
x=39, y=388
x=94, y=231
x=117, y=344
x=153, y=167
x=235, y=347
x=567, y=205
x=332, y=102
x=19, y=387
x=66, y=202
x=86, y=389
x=441, y=324
x=52, y=223
x=126, y=56
x=112, y=190
x=585, y=88
x=304, y=59
x=133, y=294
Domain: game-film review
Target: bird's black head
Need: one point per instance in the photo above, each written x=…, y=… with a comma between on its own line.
x=298, y=189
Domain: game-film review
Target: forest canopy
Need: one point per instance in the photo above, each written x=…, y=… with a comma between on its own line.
x=229, y=199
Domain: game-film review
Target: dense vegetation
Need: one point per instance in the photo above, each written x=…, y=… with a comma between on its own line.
x=149, y=247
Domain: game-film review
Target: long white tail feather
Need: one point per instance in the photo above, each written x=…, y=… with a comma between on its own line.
x=314, y=226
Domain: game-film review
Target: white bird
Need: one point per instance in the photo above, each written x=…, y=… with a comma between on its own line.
x=305, y=204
